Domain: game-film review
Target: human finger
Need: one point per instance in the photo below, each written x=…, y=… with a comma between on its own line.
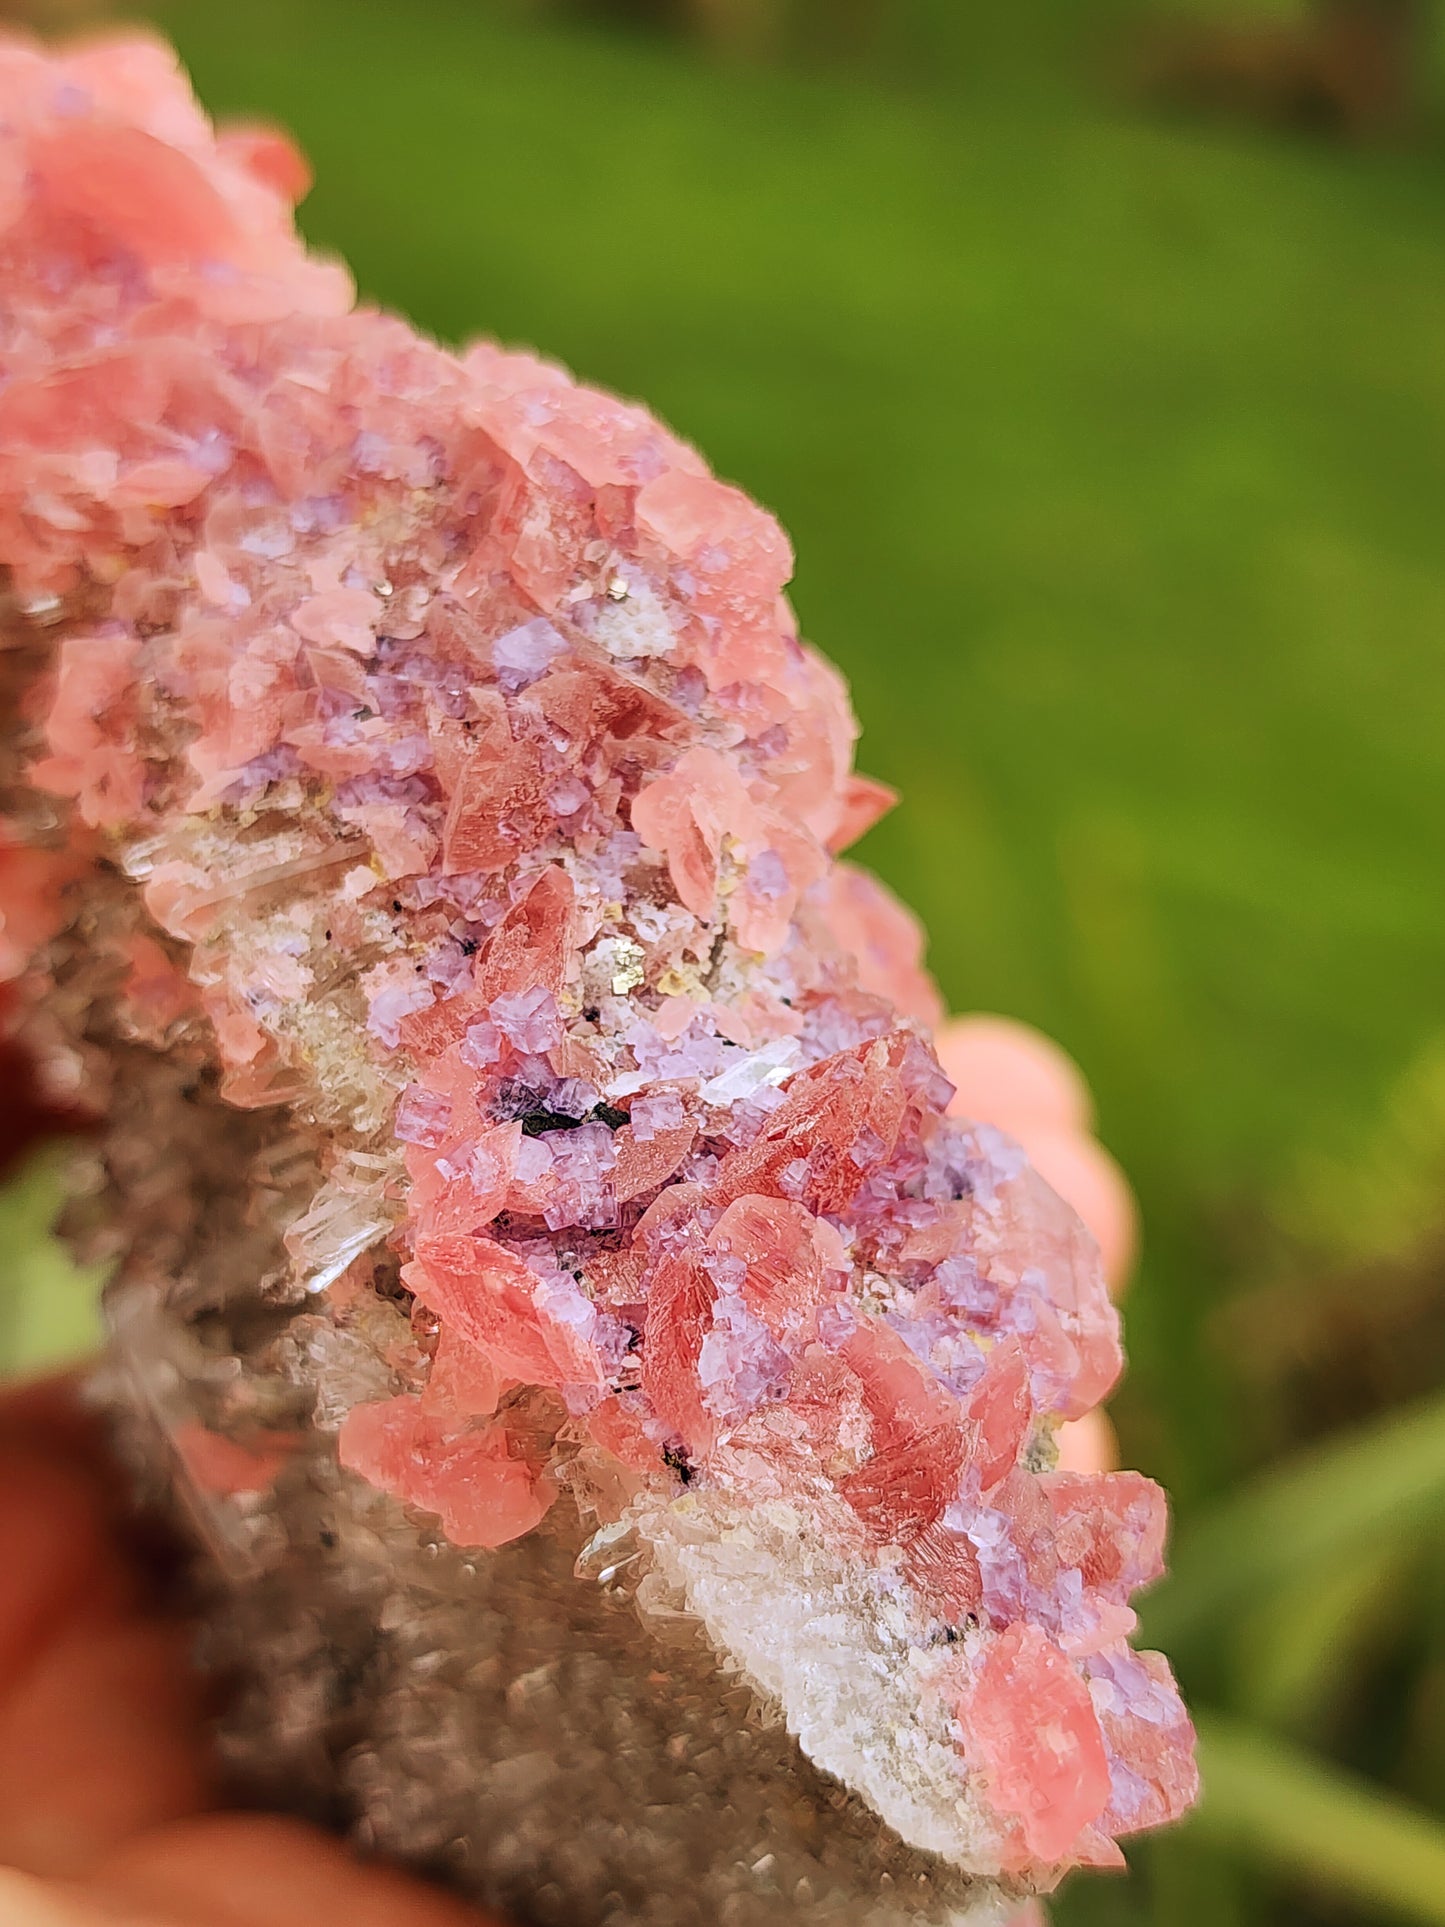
x=1011, y=1075
x=101, y=1737
x=60, y=1562
x=259, y=1870
x=26, y=1901
x=50, y=1415
x=100, y=1717
x=1088, y=1444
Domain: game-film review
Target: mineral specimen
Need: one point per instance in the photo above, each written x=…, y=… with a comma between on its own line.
x=618, y=1401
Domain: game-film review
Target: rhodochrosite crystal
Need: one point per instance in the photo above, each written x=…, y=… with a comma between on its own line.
x=618, y=1399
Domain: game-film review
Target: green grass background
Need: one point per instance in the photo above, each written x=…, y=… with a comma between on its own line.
x=1114, y=454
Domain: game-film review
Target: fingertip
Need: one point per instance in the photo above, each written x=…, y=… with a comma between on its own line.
x=28, y=1902
x=1089, y=1444
x=236, y=1869
x=100, y=1738
x=61, y=1564
x=1009, y=1074
x=51, y=1414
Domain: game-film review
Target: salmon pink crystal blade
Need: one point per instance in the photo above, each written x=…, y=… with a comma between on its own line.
x=614, y=1401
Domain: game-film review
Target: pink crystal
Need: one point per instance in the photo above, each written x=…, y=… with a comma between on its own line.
x=459, y=703
x=474, y=1478
x=1027, y=1717
x=223, y=1465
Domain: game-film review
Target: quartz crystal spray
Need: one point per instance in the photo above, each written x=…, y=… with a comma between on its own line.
x=616, y=1401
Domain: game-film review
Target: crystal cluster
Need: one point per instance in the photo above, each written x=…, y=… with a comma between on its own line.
x=523, y=1135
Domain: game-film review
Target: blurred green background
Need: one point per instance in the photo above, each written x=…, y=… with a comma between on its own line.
x=1094, y=355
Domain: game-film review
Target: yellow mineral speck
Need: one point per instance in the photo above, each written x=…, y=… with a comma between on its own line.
x=617, y=590
x=629, y=971
x=680, y=983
